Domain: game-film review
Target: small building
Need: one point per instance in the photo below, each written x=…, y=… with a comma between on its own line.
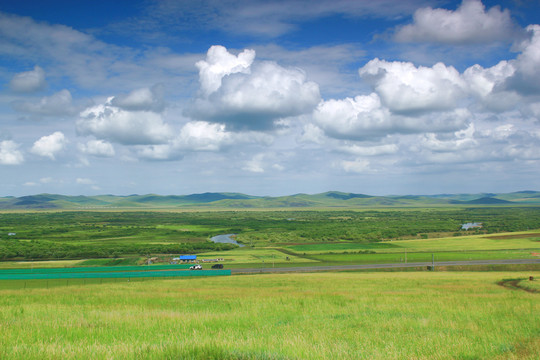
x=186, y=258
x=12, y=234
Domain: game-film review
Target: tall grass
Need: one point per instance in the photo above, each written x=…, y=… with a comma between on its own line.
x=292, y=316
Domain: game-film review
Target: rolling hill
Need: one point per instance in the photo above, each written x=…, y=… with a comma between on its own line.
x=238, y=200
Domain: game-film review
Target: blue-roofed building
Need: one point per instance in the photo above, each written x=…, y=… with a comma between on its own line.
x=186, y=258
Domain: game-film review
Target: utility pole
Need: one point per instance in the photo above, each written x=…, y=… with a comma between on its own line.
x=432, y=262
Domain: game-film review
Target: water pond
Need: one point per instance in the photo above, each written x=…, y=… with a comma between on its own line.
x=468, y=226
x=226, y=238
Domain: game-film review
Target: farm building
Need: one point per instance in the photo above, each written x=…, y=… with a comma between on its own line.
x=186, y=258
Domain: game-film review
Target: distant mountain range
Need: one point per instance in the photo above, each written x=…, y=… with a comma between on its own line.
x=237, y=200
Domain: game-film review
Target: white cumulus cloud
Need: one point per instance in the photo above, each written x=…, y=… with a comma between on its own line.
x=112, y=123
x=356, y=118
x=365, y=118
x=403, y=87
x=97, y=148
x=461, y=140
x=201, y=136
x=28, y=81
x=488, y=85
x=50, y=145
x=150, y=99
x=220, y=63
x=9, y=153
x=469, y=24
x=526, y=79
x=247, y=96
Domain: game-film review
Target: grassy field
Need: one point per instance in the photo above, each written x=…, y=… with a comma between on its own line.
x=39, y=264
x=506, y=241
x=293, y=316
x=55, y=235
x=522, y=245
x=346, y=315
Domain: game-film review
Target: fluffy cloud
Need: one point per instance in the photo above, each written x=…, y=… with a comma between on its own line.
x=9, y=153
x=58, y=104
x=364, y=118
x=463, y=139
x=28, y=81
x=50, y=145
x=406, y=88
x=150, y=99
x=356, y=118
x=109, y=122
x=508, y=84
x=196, y=136
x=220, y=63
x=469, y=24
x=526, y=79
x=501, y=143
x=248, y=96
x=97, y=148
x=203, y=136
x=488, y=86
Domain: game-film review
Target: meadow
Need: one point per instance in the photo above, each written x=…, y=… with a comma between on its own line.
x=347, y=315
x=70, y=235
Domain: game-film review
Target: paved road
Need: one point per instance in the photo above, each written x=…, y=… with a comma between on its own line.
x=384, y=266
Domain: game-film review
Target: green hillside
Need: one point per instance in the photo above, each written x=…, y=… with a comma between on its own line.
x=238, y=200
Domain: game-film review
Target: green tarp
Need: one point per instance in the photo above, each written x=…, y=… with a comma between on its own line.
x=94, y=269
x=128, y=274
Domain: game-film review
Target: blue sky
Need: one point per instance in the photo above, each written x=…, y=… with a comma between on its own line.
x=269, y=97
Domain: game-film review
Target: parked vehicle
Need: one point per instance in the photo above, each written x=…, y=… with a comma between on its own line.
x=217, y=266
x=195, y=267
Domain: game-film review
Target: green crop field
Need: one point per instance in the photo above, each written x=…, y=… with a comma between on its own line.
x=422, y=315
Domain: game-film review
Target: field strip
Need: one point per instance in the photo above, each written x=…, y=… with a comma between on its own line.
x=110, y=275
x=384, y=266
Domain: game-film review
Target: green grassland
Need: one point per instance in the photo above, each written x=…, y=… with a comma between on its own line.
x=426, y=315
x=279, y=238
x=519, y=240
x=345, y=315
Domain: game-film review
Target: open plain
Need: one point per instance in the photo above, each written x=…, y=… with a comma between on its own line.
x=367, y=288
